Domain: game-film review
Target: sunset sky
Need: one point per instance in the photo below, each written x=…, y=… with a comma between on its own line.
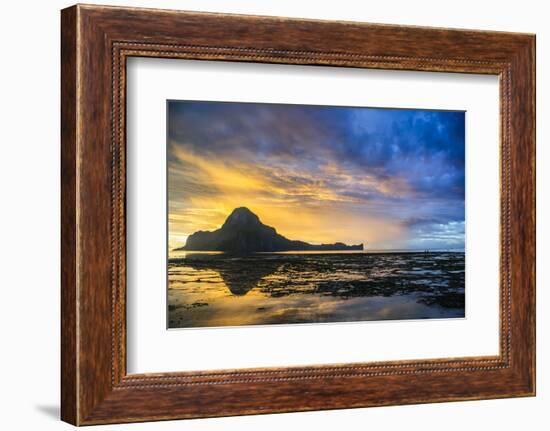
x=392, y=179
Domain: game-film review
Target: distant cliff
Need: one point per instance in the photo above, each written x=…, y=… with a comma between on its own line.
x=243, y=232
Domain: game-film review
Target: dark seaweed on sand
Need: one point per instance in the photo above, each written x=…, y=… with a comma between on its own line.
x=437, y=278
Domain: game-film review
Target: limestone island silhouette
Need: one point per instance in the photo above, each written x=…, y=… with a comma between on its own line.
x=243, y=232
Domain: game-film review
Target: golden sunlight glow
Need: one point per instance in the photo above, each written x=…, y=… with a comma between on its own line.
x=297, y=204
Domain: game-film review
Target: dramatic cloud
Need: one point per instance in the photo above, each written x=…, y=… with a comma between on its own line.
x=386, y=177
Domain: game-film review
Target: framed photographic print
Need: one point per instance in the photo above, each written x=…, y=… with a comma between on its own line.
x=268, y=215
x=318, y=172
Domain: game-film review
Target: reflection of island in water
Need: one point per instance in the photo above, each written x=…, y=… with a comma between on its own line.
x=240, y=275
x=269, y=288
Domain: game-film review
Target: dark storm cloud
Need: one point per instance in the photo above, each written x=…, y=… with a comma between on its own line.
x=424, y=147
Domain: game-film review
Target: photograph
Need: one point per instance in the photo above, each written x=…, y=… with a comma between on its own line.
x=293, y=214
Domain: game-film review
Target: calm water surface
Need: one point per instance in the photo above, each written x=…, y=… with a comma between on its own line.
x=215, y=289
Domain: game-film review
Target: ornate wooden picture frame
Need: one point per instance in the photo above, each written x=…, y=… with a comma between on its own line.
x=96, y=41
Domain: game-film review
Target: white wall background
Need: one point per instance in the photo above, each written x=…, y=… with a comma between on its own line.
x=29, y=219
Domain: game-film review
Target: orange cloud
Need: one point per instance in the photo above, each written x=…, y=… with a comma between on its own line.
x=204, y=190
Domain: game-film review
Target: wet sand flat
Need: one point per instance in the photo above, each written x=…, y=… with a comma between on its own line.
x=211, y=290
